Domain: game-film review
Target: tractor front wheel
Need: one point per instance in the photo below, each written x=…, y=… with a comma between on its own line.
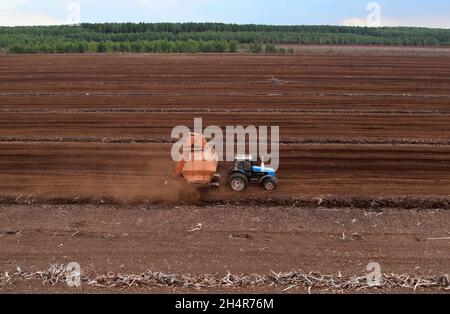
x=238, y=182
x=269, y=184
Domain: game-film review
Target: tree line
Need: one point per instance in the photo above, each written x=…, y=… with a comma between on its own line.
x=141, y=46
x=203, y=37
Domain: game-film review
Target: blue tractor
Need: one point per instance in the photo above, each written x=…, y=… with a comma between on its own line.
x=245, y=171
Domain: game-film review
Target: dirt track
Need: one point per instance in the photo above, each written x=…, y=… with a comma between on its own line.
x=127, y=172
x=355, y=131
x=235, y=239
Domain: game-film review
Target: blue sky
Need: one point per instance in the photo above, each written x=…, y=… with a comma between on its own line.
x=430, y=13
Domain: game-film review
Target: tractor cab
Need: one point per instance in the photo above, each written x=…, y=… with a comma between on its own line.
x=244, y=163
x=246, y=171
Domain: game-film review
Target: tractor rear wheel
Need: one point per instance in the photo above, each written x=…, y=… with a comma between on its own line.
x=269, y=184
x=238, y=182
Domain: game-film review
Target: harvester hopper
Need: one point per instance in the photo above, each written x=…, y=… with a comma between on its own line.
x=200, y=166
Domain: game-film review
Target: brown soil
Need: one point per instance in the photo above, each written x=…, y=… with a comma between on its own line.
x=255, y=239
x=80, y=132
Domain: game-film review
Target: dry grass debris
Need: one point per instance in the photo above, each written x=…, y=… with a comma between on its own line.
x=310, y=282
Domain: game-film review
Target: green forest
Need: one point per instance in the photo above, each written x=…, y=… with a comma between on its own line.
x=203, y=37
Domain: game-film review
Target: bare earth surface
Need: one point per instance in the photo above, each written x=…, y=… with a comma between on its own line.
x=364, y=172
x=240, y=240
